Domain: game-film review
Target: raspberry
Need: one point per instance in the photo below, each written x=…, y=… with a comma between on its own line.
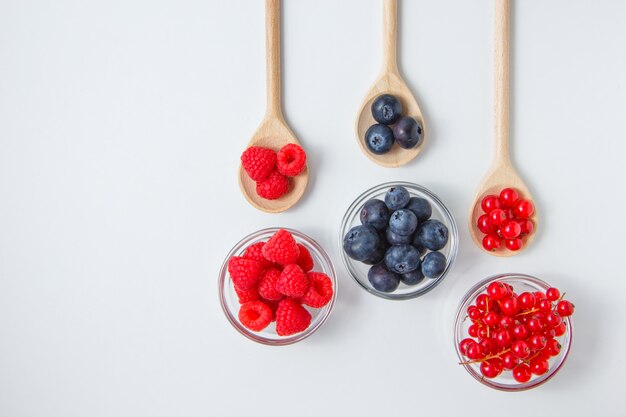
x=291, y=160
x=244, y=272
x=255, y=253
x=267, y=284
x=320, y=290
x=258, y=162
x=304, y=261
x=255, y=315
x=273, y=187
x=281, y=248
x=291, y=317
x=292, y=281
x=246, y=296
x=274, y=306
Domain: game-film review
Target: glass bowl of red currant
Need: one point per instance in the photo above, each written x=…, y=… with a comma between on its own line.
x=513, y=332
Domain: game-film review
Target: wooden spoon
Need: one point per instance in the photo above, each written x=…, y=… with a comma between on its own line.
x=502, y=174
x=389, y=82
x=273, y=133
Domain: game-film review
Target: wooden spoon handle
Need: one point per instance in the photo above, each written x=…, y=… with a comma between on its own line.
x=272, y=59
x=501, y=78
x=390, y=35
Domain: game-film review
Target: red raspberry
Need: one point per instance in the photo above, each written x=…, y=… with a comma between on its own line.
x=281, y=248
x=304, y=261
x=258, y=162
x=292, y=281
x=274, y=306
x=254, y=252
x=255, y=315
x=267, y=285
x=244, y=272
x=291, y=160
x=291, y=317
x=320, y=290
x=274, y=187
x=246, y=296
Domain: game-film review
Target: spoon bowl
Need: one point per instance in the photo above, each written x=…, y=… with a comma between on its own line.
x=389, y=82
x=273, y=133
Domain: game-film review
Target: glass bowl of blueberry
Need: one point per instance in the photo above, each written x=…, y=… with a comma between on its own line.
x=271, y=299
x=513, y=332
x=398, y=240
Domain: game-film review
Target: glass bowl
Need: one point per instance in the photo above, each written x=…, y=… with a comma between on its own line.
x=230, y=302
x=358, y=270
x=506, y=382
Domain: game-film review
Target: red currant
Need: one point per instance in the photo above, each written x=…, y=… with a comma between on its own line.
x=520, y=332
x=473, y=330
x=510, y=230
x=491, y=368
x=553, y=319
x=474, y=313
x=482, y=332
x=548, y=332
x=520, y=349
x=565, y=308
x=498, y=217
x=491, y=242
x=509, y=306
x=509, y=361
x=544, y=305
x=484, y=224
x=464, y=344
x=539, y=295
x=536, y=324
x=504, y=338
x=526, y=226
x=475, y=352
x=524, y=209
x=484, y=303
x=514, y=244
x=486, y=345
x=522, y=373
x=537, y=341
x=508, y=197
x=526, y=300
x=497, y=290
x=489, y=203
x=553, y=294
x=506, y=322
x=539, y=366
x=553, y=347
x=491, y=319
x=560, y=329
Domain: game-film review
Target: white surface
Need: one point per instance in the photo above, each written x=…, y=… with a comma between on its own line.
x=121, y=125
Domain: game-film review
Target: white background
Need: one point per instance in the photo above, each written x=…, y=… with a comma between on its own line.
x=121, y=125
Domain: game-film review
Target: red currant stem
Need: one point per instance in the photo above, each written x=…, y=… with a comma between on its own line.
x=534, y=310
x=527, y=360
x=486, y=358
x=560, y=298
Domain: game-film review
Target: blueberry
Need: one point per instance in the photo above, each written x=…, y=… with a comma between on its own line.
x=403, y=222
x=433, y=264
x=383, y=279
x=375, y=213
x=379, y=139
x=402, y=259
x=432, y=234
x=407, y=132
x=412, y=278
x=379, y=253
x=421, y=208
x=395, y=239
x=360, y=242
x=397, y=197
x=386, y=109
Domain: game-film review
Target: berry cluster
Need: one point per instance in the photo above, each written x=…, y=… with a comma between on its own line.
x=274, y=281
x=394, y=237
x=514, y=332
x=271, y=170
x=380, y=137
x=507, y=217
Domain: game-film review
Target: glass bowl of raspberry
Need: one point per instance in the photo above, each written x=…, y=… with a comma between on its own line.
x=398, y=240
x=277, y=303
x=524, y=348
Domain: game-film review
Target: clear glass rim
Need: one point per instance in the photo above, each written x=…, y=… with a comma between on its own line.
x=279, y=341
x=454, y=237
x=460, y=315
